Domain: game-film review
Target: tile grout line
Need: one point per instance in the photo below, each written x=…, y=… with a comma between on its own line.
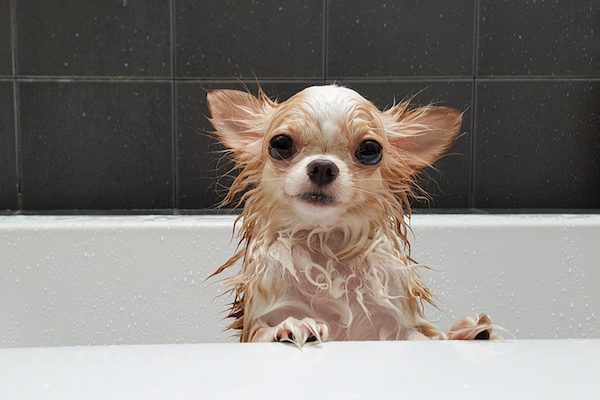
x=325, y=39
x=538, y=78
x=80, y=78
x=476, y=5
x=174, y=145
x=371, y=79
x=16, y=103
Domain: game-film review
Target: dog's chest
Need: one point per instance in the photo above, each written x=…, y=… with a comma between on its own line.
x=359, y=298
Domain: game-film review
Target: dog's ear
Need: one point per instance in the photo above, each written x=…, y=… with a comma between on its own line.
x=239, y=118
x=422, y=134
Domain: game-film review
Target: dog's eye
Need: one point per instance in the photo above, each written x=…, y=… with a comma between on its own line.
x=369, y=152
x=281, y=147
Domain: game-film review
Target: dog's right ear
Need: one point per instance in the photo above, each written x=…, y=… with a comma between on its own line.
x=240, y=119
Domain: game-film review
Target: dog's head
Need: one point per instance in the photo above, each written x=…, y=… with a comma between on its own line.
x=327, y=153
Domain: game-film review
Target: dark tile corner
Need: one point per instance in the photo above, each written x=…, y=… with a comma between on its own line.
x=225, y=39
x=400, y=38
x=5, y=39
x=8, y=159
x=96, y=145
x=94, y=38
x=541, y=148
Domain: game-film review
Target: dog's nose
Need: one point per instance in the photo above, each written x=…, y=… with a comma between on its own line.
x=322, y=172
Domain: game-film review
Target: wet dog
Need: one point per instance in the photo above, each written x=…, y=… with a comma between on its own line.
x=325, y=178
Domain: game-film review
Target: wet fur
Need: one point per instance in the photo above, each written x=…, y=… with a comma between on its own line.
x=350, y=269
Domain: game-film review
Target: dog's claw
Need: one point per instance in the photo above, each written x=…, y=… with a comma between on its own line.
x=483, y=335
x=289, y=337
x=474, y=327
x=300, y=332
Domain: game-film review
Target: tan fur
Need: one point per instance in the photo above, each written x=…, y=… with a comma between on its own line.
x=353, y=273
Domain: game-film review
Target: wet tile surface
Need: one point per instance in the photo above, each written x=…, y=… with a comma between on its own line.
x=225, y=39
x=540, y=38
x=400, y=38
x=89, y=145
x=538, y=145
x=94, y=38
x=8, y=166
x=97, y=110
x=5, y=39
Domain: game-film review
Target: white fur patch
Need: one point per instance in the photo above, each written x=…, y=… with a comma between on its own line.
x=360, y=299
x=329, y=103
x=298, y=182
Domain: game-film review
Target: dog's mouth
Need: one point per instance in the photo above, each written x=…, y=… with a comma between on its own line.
x=317, y=198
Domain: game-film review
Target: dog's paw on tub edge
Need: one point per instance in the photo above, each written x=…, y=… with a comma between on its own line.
x=473, y=327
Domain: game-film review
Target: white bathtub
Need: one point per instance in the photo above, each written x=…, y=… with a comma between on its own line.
x=141, y=280
x=76, y=281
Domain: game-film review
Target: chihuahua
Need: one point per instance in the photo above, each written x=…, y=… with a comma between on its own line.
x=325, y=180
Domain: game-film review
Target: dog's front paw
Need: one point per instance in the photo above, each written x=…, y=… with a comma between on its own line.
x=474, y=327
x=297, y=331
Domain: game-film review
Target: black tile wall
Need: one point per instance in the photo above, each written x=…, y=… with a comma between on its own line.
x=111, y=111
x=400, y=38
x=538, y=145
x=5, y=39
x=89, y=145
x=8, y=165
x=94, y=38
x=225, y=39
x=448, y=183
x=540, y=38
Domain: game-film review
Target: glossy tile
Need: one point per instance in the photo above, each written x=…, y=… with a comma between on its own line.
x=537, y=145
x=5, y=39
x=89, y=145
x=94, y=38
x=8, y=162
x=560, y=38
x=400, y=38
x=266, y=39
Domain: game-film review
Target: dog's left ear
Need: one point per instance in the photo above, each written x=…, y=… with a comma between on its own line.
x=239, y=119
x=422, y=134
